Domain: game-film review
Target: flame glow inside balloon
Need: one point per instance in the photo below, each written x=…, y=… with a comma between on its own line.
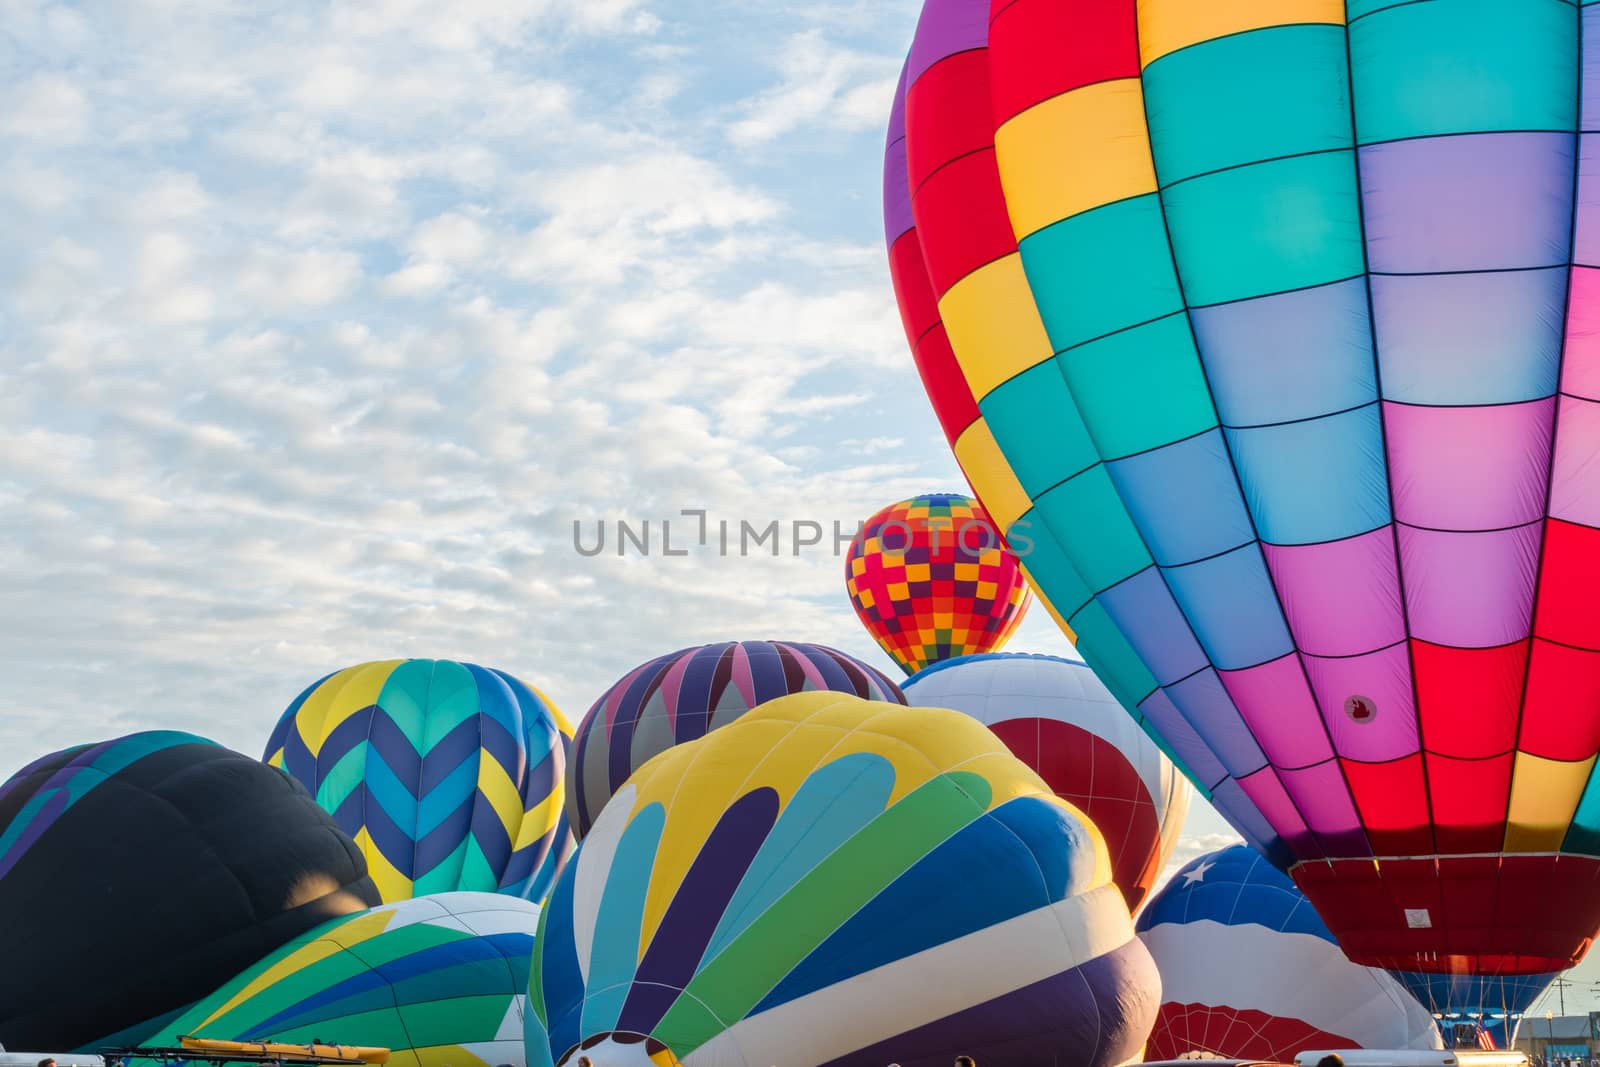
x=930, y=578
x=450, y=776
x=833, y=880
x=1280, y=340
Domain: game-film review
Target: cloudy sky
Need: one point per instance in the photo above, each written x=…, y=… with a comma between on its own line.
x=321, y=324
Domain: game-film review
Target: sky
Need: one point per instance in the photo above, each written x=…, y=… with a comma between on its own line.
x=323, y=324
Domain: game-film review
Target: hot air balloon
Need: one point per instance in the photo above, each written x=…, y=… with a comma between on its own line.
x=139, y=873
x=1270, y=326
x=1056, y=716
x=833, y=880
x=1476, y=1006
x=1249, y=972
x=450, y=776
x=679, y=696
x=930, y=579
x=438, y=980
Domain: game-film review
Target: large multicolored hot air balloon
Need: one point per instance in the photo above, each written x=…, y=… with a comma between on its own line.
x=830, y=880
x=1273, y=328
x=1249, y=972
x=930, y=579
x=441, y=981
x=450, y=776
x=138, y=874
x=679, y=696
x=1058, y=718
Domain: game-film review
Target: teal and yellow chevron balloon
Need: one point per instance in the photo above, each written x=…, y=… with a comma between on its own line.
x=449, y=776
x=439, y=981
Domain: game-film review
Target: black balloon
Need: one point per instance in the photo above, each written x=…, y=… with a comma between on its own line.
x=138, y=875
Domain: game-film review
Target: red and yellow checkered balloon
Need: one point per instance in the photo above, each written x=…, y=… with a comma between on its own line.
x=931, y=580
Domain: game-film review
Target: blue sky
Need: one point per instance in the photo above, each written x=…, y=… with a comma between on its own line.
x=320, y=324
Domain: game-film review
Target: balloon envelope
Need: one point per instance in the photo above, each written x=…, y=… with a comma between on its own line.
x=139, y=873
x=1254, y=321
x=1248, y=971
x=450, y=776
x=833, y=880
x=680, y=696
x=439, y=980
x=1057, y=717
x=930, y=578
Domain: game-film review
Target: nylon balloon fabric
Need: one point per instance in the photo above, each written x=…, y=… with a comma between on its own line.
x=829, y=880
x=1249, y=972
x=449, y=776
x=139, y=873
x=1057, y=717
x=439, y=980
x=1272, y=326
x=682, y=695
x=931, y=578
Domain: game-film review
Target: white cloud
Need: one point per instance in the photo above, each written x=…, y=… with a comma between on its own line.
x=317, y=333
x=822, y=83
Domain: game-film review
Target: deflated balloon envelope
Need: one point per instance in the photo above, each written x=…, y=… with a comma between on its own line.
x=833, y=880
x=679, y=696
x=449, y=776
x=439, y=980
x=138, y=874
x=1248, y=971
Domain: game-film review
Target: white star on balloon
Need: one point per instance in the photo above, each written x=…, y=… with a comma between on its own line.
x=1198, y=874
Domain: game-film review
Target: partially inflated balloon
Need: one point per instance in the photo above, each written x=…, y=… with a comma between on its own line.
x=829, y=880
x=450, y=776
x=1273, y=327
x=679, y=696
x=1249, y=972
x=930, y=579
x=138, y=874
x=441, y=981
x=1057, y=717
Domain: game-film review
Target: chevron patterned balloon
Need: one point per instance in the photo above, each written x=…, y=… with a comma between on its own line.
x=442, y=982
x=449, y=776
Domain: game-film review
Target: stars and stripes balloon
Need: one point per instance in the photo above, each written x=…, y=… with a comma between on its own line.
x=1057, y=717
x=1249, y=972
x=830, y=880
x=930, y=578
x=679, y=696
x=1274, y=328
x=440, y=981
x=449, y=776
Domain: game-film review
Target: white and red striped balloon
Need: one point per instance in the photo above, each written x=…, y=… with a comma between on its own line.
x=1059, y=719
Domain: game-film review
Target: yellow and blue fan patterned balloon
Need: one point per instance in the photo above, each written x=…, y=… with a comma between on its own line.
x=439, y=980
x=449, y=776
x=831, y=880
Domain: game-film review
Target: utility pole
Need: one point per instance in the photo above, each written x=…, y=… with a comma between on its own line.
x=1561, y=992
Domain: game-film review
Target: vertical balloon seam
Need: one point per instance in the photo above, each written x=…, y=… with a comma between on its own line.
x=1233, y=467
x=1071, y=614
x=1555, y=428
x=1135, y=707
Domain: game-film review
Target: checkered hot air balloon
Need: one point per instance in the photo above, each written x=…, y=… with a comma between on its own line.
x=449, y=776
x=930, y=579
